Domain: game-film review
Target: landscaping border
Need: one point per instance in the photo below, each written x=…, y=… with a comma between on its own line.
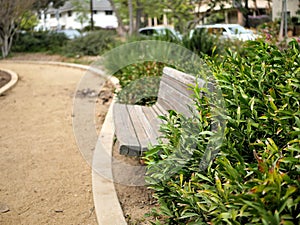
x=14, y=79
x=107, y=205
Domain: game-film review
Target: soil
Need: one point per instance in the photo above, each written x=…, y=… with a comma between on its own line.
x=136, y=201
x=44, y=179
x=4, y=78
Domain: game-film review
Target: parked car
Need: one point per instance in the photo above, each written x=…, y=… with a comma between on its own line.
x=228, y=31
x=160, y=31
x=70, y=33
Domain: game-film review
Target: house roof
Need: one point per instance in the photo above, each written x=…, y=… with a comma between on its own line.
x=99, y=5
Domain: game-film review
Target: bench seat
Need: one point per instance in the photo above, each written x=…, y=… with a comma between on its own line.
x=138, y=126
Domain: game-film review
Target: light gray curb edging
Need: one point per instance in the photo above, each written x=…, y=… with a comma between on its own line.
x=105, y=198
x=11, y=83
x=107, y=206
x=54, y=63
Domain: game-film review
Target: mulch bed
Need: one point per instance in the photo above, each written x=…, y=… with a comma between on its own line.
x=4, y=78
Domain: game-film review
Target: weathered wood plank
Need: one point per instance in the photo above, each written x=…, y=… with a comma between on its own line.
x=159, y=109
x=176, y=100
x=137, y=122
x=150, y=125
x=125, y=131
x=152, y=116
x=182, y=88
x=178, y=75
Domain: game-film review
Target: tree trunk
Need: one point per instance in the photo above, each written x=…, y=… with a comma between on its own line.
x=92, y=14
x=130, y=9
x=257, y=13
x=246, y=15
x=11, y=13
x=282, y=31
x=6, y=45
x=121, y=30
x=6, y=38
x=139, y=12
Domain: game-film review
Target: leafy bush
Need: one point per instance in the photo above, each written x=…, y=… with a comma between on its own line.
x=140, y=83
x=254, y=178
x=39, y=42
x=270, y=31
x=94, y=43
x=201, y=42
x=204, y=43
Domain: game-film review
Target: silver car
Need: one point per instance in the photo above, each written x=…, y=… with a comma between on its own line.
x=159, y=31
x=228, y=31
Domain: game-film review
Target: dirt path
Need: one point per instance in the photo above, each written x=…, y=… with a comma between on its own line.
x=44, y=179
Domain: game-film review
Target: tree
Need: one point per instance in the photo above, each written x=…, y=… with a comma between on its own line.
x=283, y=23
x=210, y=8
x=92, y=14
x=181, y=12
x=82, y=12
x=130, y=12
x=130, y=9
x=121, y=28
x=29, y=21
x=244, y=9
x=44, y=4
x=11, y=14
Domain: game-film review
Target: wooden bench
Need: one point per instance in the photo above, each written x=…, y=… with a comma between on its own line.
x=137, y=126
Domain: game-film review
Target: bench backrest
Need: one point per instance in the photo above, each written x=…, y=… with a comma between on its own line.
x=175, y=91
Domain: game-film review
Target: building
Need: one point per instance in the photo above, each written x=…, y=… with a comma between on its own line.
x=291, y=5
x=225, y=12
x=231, y=12
x=71, y=16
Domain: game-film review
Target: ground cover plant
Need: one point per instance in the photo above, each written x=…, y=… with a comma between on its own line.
x=255, y=177
x=42, y=41
x=93, y=43
x=140, y=83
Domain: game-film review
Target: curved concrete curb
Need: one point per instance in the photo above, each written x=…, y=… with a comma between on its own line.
x=71, y=65
x=11, y=83
x=105, y=198
x=107, y=206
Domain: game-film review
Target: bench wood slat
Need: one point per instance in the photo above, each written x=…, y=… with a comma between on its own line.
x=137, y=120
x=178, y=101
x=125, y=131
x=159, y=110
x=152, y=115
x=184, y=89
x=150, y=123
x=178, y=75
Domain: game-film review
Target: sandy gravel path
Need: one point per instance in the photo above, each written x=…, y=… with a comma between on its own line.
x=44, y=179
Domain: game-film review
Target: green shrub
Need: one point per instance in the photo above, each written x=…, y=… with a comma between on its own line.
x=94, y=43
x=39, y=42
x=201, y=42
x=140, y=83
x=270, y=31
x=255, y=177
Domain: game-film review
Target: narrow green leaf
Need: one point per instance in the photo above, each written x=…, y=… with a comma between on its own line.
x=238, y=115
